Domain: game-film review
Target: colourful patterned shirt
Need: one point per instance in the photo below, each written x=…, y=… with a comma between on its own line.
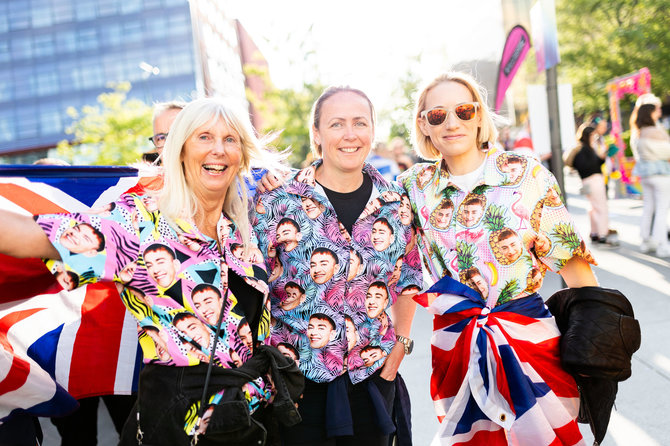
x=331, y=290
x=501, y=237
x=174, y=278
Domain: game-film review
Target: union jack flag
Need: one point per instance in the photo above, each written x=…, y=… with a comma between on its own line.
x=496, y=377
x=59, y=346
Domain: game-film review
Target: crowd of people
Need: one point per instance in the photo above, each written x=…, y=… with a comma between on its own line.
x=319, y=273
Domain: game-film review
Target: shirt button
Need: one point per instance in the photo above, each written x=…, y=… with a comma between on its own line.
x=502, y=417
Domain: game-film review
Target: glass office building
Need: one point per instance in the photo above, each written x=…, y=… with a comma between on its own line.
x=56, y=54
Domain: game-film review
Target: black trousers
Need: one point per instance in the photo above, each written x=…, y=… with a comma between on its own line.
x=80, y=428
x=313, y=409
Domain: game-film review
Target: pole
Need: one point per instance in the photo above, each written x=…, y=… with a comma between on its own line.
x=555, y=129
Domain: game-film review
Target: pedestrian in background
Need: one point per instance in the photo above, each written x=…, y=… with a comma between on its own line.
x=589, y=165
x=652, y=165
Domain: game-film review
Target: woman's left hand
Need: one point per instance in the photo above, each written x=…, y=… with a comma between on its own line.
x=392, y=363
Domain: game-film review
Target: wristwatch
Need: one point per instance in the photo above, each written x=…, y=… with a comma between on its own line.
x=407, y=343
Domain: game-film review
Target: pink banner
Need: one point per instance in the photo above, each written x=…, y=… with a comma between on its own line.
x=516, y=47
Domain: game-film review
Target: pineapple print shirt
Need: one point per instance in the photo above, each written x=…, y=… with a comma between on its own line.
x=330, y=290
x=501, y=237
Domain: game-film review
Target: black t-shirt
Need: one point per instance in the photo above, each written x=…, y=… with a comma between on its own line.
x=349, y=205
x=587, y=162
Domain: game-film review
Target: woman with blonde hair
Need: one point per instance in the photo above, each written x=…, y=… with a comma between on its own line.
x=185, y=242
x=494, y=380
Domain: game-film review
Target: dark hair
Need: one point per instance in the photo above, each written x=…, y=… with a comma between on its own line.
x=182, y=316
x=98, y=234
x=160, y=247
x=323, y=317
x=505, y=234
x=292, y=284
x=446, y=203
x=369, y=347
x=289, y=221
x=384, y=221
x=585, y=137
x=204, y=287
x=322, y=250
x=470, y=272
x=379, y=284
x=290, y=347
x=473, y=200
x=318, y=105
x=644, y=118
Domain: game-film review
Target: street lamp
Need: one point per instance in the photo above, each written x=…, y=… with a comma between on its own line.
x=148, y=69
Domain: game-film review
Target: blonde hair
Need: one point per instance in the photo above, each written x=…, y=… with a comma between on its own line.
x=177, y=199
x=487, y=133
x=315, y=118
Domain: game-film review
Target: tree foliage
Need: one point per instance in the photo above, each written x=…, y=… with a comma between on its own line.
x=401, y=116
x=601, y=40
x=286, y=110
x=113, y=132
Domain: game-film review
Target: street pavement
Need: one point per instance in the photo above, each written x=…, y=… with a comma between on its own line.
x=643, y=400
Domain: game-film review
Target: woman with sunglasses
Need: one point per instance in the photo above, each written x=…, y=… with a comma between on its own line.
x=496, y=371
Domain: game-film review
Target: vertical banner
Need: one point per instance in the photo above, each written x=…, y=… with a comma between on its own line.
x=545, y=34
x=514, y=52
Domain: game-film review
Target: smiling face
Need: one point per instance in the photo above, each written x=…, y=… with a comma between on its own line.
x=352, y=334
x=480, y=285
x=510, y=248
x=81, y=239
x=472, y=213
x=322, y=267
x=397, y=269
x=442, y=217
x=384, y=323
x=311, y=208
x=514, y=169
x=405, y=211
x=160, y=341
x=245, y=335
x=208, y=303
x=294, y=297
x=371, y=356
x=376, y=300
x=542, y=244
x=381, y=236
x=354, y=265
x=211, y=159
x=161, y=266
x=345, y=132
x=320, y=332
x=456, y=140
x=288, y=234
x=195, y=330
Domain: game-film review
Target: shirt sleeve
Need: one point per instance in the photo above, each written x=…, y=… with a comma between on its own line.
x=557, y=225
x=95, y=246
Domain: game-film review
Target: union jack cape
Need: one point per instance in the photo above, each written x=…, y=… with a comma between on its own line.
x=59, y=346
x=496, y=377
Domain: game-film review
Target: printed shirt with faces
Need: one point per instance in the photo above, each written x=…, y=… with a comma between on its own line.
x=501, y=237
x=299, y=233
x=173, y=279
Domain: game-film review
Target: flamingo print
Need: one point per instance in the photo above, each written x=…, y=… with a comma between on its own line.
x=520, y=211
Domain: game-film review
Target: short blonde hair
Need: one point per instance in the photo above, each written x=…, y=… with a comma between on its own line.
x=177, y=199
x=487, y=132
x=315, y=118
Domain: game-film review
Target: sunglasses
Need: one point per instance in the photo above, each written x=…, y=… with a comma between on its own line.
x=437, y=115
x=158, y=139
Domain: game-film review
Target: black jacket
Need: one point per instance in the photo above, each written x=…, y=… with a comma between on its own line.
x=599, y=336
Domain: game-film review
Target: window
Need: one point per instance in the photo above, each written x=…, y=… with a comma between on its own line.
x=85, y=10
x=6, y=126
x=4, y=51
x=21, y=48
x=132, y=31
x=43, y=45
x=66, y=42
x=129, y=6
x=50, y=120
x=47, y=83
x=179, y=24
x=19, y=15
x=108, y=7
x=26, y=122
x=63, y=12
x=66, y=71
x=156, y=27
x=5, y=86
x=111, y=35
x=91, y=76
x=87, y=39
x=41, y=13
x=24, y=83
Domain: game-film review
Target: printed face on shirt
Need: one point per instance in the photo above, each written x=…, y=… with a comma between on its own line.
x=397, y=269
x=553, y=198
x=320, y=332
x=382, y=235
x=536, y=280
x=288, y=234
x=424, y=176
x=542, y=244
x=442, y=216
x=289, y=352
x=194, y=329
x=161, y=266
x=383, y=319
x=245, y=335
x=311, y=207
x=511, y=248
x=160, y=341
x=277, y=270
x=405, y=210
x=472, y=213
x=371, y=355
x=82, y=239
x=127, y=273
x=67, y=279
x=513, y=168
x=237, y=361
x=322, y=267
x=480, y=285
x=294, y=297
x=355, y=265
x=150, y=203
x=207, y=303
x=376, y=300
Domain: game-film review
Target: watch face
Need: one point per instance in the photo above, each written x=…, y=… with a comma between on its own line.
x=410, y=346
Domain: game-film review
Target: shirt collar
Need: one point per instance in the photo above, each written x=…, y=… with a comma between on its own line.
x=490, y=176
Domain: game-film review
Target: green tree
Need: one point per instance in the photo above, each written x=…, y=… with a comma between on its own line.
x=601, y=40
x=287, y=111
x=113, y=132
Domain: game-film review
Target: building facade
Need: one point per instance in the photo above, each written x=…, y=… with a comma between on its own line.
x=56, y=54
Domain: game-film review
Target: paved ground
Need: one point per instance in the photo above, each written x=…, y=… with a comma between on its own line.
x=643, y=401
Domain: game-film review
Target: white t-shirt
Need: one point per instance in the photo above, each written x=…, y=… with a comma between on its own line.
x=469, y=180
